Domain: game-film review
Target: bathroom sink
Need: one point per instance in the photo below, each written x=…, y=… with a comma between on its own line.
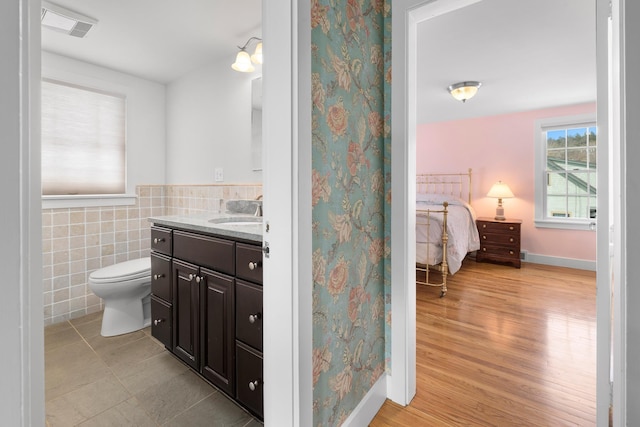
x=240, y=223
x=237, y=221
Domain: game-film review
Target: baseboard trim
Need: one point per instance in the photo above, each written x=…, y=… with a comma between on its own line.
x=579, y=264
x=369, y=405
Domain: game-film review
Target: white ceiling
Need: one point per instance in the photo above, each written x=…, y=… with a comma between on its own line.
x=158, y=40
x=527, y=54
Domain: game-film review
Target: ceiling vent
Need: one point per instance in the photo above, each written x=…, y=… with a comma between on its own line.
x=66, y=21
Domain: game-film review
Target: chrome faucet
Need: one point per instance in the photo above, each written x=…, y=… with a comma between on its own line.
x=258, y=211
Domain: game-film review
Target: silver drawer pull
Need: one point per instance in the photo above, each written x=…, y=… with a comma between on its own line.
x=158, y=240
x=254, y=317
x=511, y=228
x=253, y=385
x=253, y=265
x=157, y=322
x=510, y=252
x=158, y=276
x=198, y=279
x=191, y=276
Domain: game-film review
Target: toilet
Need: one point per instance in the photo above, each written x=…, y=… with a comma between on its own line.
x=125, y=289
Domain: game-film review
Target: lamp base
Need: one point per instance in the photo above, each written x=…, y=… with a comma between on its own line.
x=500, y=214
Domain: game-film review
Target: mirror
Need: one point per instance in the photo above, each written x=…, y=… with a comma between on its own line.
x=256, y=124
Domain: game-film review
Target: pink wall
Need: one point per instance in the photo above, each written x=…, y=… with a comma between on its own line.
x=502, y=148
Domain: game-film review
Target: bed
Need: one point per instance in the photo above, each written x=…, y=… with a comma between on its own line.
x=445, y=226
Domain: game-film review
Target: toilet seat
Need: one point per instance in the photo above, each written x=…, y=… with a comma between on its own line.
x=121, y=272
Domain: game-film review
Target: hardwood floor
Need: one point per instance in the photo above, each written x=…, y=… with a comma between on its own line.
x=504, y=347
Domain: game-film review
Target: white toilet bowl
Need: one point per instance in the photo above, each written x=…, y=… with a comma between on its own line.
x=125, y=289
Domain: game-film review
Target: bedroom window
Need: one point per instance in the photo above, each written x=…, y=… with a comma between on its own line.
x=566, y=173
x=83, y=141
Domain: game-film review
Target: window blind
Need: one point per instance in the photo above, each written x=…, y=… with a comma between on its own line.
x=83, y=140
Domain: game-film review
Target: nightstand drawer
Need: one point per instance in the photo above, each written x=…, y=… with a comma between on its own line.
x=498, y=227
x=510, y=240
x=501, y=251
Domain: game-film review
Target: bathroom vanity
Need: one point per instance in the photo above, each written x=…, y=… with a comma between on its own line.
x=206, y=299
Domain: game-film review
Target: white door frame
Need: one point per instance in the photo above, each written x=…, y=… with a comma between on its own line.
x=288, y=392
x=402, y=381
x=406, y=14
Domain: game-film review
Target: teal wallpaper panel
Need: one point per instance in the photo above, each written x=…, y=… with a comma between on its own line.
x=350, y=128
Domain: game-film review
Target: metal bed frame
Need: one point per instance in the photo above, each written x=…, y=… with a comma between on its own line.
x=455, y=185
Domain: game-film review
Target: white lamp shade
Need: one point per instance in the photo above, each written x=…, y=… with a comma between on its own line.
x=256, y=58
x=500, y=190
x=243, y=63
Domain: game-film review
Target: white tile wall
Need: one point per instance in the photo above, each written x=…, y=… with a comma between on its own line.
x=76, y=242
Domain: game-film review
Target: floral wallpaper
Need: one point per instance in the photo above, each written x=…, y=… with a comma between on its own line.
x=351, y=86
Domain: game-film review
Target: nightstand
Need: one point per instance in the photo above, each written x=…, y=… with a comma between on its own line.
x=499, y=241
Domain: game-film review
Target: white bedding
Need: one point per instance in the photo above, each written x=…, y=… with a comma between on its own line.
x=461, y=227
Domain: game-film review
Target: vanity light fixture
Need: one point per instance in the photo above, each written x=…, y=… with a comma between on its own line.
x=500, y=191
x=464, y=90
x=244, y=62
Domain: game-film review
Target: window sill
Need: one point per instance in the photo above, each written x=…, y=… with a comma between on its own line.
x=88, y=201
x=584, y=225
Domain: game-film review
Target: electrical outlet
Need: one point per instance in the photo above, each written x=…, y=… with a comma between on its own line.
x=219, y=175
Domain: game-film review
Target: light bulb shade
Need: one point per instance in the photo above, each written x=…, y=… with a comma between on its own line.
x=464, y=90
x=500, y=190
x=243, y=63
x=256, y=58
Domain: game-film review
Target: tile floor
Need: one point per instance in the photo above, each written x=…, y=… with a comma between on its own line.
x=128, y=380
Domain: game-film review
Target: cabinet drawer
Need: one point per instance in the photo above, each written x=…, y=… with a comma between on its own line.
x=249, y=262
x=205, y=251
x=510, y=240
x=498, y=227
x=161, y=240
x=249, y=313
x=501, y=251
x=249, y=390
x=161, y=321
x=161, y=276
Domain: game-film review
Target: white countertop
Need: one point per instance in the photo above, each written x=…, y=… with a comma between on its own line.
x=224, y=224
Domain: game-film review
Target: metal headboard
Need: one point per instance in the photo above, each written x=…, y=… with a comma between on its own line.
x=454, y=184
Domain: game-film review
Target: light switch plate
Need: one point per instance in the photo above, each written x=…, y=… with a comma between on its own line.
x=219, y=175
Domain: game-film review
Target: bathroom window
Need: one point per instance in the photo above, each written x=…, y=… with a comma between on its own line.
x=83, y=141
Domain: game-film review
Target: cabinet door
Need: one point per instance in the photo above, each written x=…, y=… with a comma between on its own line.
x=161, y=276
x=249, y=313
x=249, y=388
x=161, y=321
x=218, y=335
x=186, y=314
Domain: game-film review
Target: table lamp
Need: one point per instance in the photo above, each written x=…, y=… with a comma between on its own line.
x=500, y=191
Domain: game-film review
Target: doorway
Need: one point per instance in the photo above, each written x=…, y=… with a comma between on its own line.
x=406, y=16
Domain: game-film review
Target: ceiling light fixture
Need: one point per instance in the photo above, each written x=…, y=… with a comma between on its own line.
x=244, y=62
x=464, y=90
x=66, y=21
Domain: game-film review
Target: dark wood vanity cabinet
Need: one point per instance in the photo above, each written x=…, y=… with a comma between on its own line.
x=210, y=290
